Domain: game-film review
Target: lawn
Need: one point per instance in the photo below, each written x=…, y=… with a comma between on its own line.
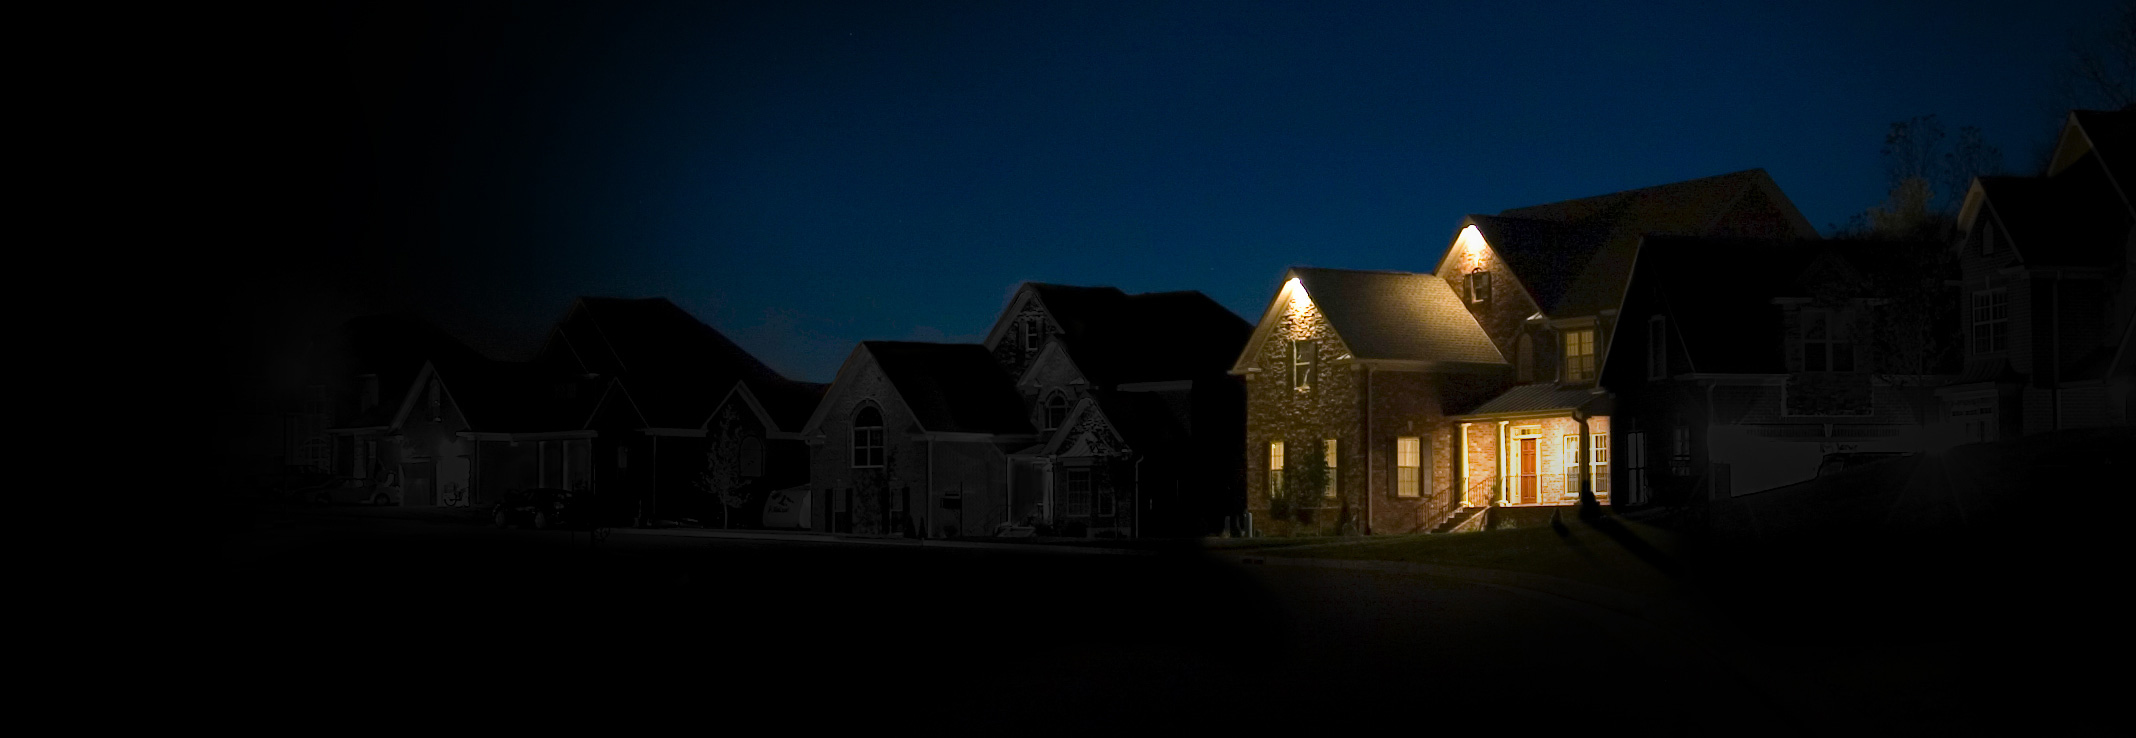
x=1614, y=552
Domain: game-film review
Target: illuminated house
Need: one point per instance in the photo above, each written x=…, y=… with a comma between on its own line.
x=1138, y=419
x=2044, y=266
x=1542, y=286
x=1366, y=369
x=1729, y=386
x=913, y=439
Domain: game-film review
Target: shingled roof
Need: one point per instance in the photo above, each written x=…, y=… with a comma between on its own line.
x=1118, y=338
x=1393, y=316
x=678, y=368
x=393, y=346
x=2074, y=218
x=2112, y=135
x=951, y=387
x=787, y=404
x=1575, y=255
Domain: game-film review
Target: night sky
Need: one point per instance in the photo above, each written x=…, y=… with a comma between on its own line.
x=804, y=176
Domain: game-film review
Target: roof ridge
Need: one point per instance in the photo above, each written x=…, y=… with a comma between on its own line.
x=1365, y=271
x=1505, y=213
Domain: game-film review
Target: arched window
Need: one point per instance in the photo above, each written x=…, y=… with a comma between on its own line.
x=1056, y=410
x=868, y=437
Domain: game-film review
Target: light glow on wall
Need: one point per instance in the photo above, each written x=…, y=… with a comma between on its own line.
x=1471, y=247
x=1300, y=305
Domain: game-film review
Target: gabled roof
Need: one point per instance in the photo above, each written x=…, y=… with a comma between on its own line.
x=1731, y=325
x=1543, y=397
x=2074, y=218
x=678, y=367
x=1115, y=337
x=1142, y=420
x=1384, y=316
x=394, y=347
x=2111, y=136
x=1575, y=255
x=783, y=407
x=505, y=397
x=951, y=387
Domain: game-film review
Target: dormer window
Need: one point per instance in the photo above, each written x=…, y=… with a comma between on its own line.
x=1303, y=354
x=1826, y=346
x=1056, y=410
x=1580, y=355
x=1479, y=286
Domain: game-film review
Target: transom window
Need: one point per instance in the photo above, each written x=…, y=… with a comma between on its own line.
x=1825, y=344
x=868, y=438
x=1580, y=355
x=1479, y=284
x=1303, y=354
x=1275, y=468
x=1056, y=410
x=1408, y=463
x=1991, y=320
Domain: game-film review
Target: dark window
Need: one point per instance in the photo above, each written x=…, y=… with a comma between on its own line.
x=1078, y=493
x=1033, y=333
x=1991, y=320
x=1303, y=354
x=1056, y=410
x=868, y=438
x=1105, y=503
x=1479, y=283
x=1680, y=460
x=1825, y=344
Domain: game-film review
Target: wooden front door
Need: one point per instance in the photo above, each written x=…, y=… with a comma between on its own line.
x=1530, y=485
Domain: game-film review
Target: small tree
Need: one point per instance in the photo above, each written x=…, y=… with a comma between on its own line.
x=721, y=479
x=1305, y=482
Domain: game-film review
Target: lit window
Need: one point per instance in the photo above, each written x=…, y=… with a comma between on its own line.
x=1479, y=284
x=868, y=438
x=1598, y=462
x=1056, y=410
x=1991, y=320
x=1825, y=345
x=1408, y=463
x=1657, y=348
x=1329, y=445
x=1579, y=355
x=1302, y=356
x=1275, y=468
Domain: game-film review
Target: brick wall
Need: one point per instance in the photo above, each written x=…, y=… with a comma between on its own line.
x=1301, y=418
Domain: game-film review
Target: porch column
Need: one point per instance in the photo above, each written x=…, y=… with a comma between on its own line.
x=1588, y=505
x=1500, y=487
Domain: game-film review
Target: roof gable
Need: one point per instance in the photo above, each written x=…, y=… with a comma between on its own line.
x=679, y=367
x=1384, y=316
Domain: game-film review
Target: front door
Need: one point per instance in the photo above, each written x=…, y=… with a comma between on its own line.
x=416, y=484
x=1530, y=487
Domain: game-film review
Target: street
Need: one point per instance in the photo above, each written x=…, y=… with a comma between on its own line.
x=383, y=610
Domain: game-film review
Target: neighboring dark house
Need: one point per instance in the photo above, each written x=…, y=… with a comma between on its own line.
x=1137, y=416
x=914, y=439
x=1744, y=362
x=754, y=447
x=665, y=372
x=1363, y=368
x=366, y=371
x=468, y=431
x=2044, y=267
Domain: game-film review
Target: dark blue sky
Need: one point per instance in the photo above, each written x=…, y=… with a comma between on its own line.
x=804, y=176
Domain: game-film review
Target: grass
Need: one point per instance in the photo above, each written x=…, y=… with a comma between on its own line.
x=1614, y=553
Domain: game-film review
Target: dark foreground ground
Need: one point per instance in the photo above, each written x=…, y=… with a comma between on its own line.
x=2012, y=624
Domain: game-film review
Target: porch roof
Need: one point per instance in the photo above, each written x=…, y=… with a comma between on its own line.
x=1535, y=398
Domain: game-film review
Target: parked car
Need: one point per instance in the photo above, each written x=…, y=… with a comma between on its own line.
x=541, y=507
x=1834, y=462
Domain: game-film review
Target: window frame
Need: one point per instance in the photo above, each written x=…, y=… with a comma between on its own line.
x=1479, y=286
x=1836, y=343
x=863, y=440
x=1330, y=447
x=1409, y=466
x=1077, y=502
x=1275, y=469
x=1989, y=324
x=1032, y=327
x=1047, y=408
x=1304, y=363
x=1585, y=362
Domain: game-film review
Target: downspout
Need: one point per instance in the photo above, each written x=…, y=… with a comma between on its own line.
x=2055, y=359
x=1369, y=443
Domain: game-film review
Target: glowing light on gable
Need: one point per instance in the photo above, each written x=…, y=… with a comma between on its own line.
x=1472, y=248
